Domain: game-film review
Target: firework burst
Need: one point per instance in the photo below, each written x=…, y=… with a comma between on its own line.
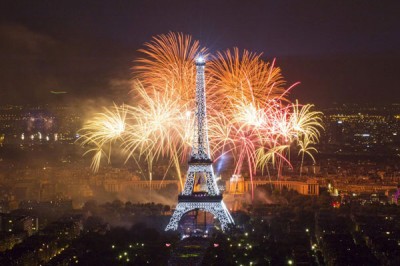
x=250, y=116
x=168, y=61
x=160, y=126
x=236, y=76
x=102, y=131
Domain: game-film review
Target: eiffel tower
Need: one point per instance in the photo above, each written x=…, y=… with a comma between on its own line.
x=200, y=172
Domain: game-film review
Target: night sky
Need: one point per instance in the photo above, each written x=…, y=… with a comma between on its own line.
x=343, y=51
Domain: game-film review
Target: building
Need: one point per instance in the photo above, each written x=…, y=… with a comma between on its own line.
x=237, y=185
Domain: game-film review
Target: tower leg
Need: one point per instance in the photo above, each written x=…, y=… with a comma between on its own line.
x=218, y=209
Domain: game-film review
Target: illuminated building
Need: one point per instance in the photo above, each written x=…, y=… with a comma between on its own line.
x=200, y=191
x=18, y=223
x=238, y=186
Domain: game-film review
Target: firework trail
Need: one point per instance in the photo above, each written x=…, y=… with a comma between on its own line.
x=160, y=126
x=102, y=131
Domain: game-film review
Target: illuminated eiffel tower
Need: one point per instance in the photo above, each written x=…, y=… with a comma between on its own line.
x=209, y=198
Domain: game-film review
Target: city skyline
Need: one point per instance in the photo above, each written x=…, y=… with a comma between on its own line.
x=199, y=132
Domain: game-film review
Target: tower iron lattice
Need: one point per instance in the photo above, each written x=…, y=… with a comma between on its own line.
x=200, y=167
